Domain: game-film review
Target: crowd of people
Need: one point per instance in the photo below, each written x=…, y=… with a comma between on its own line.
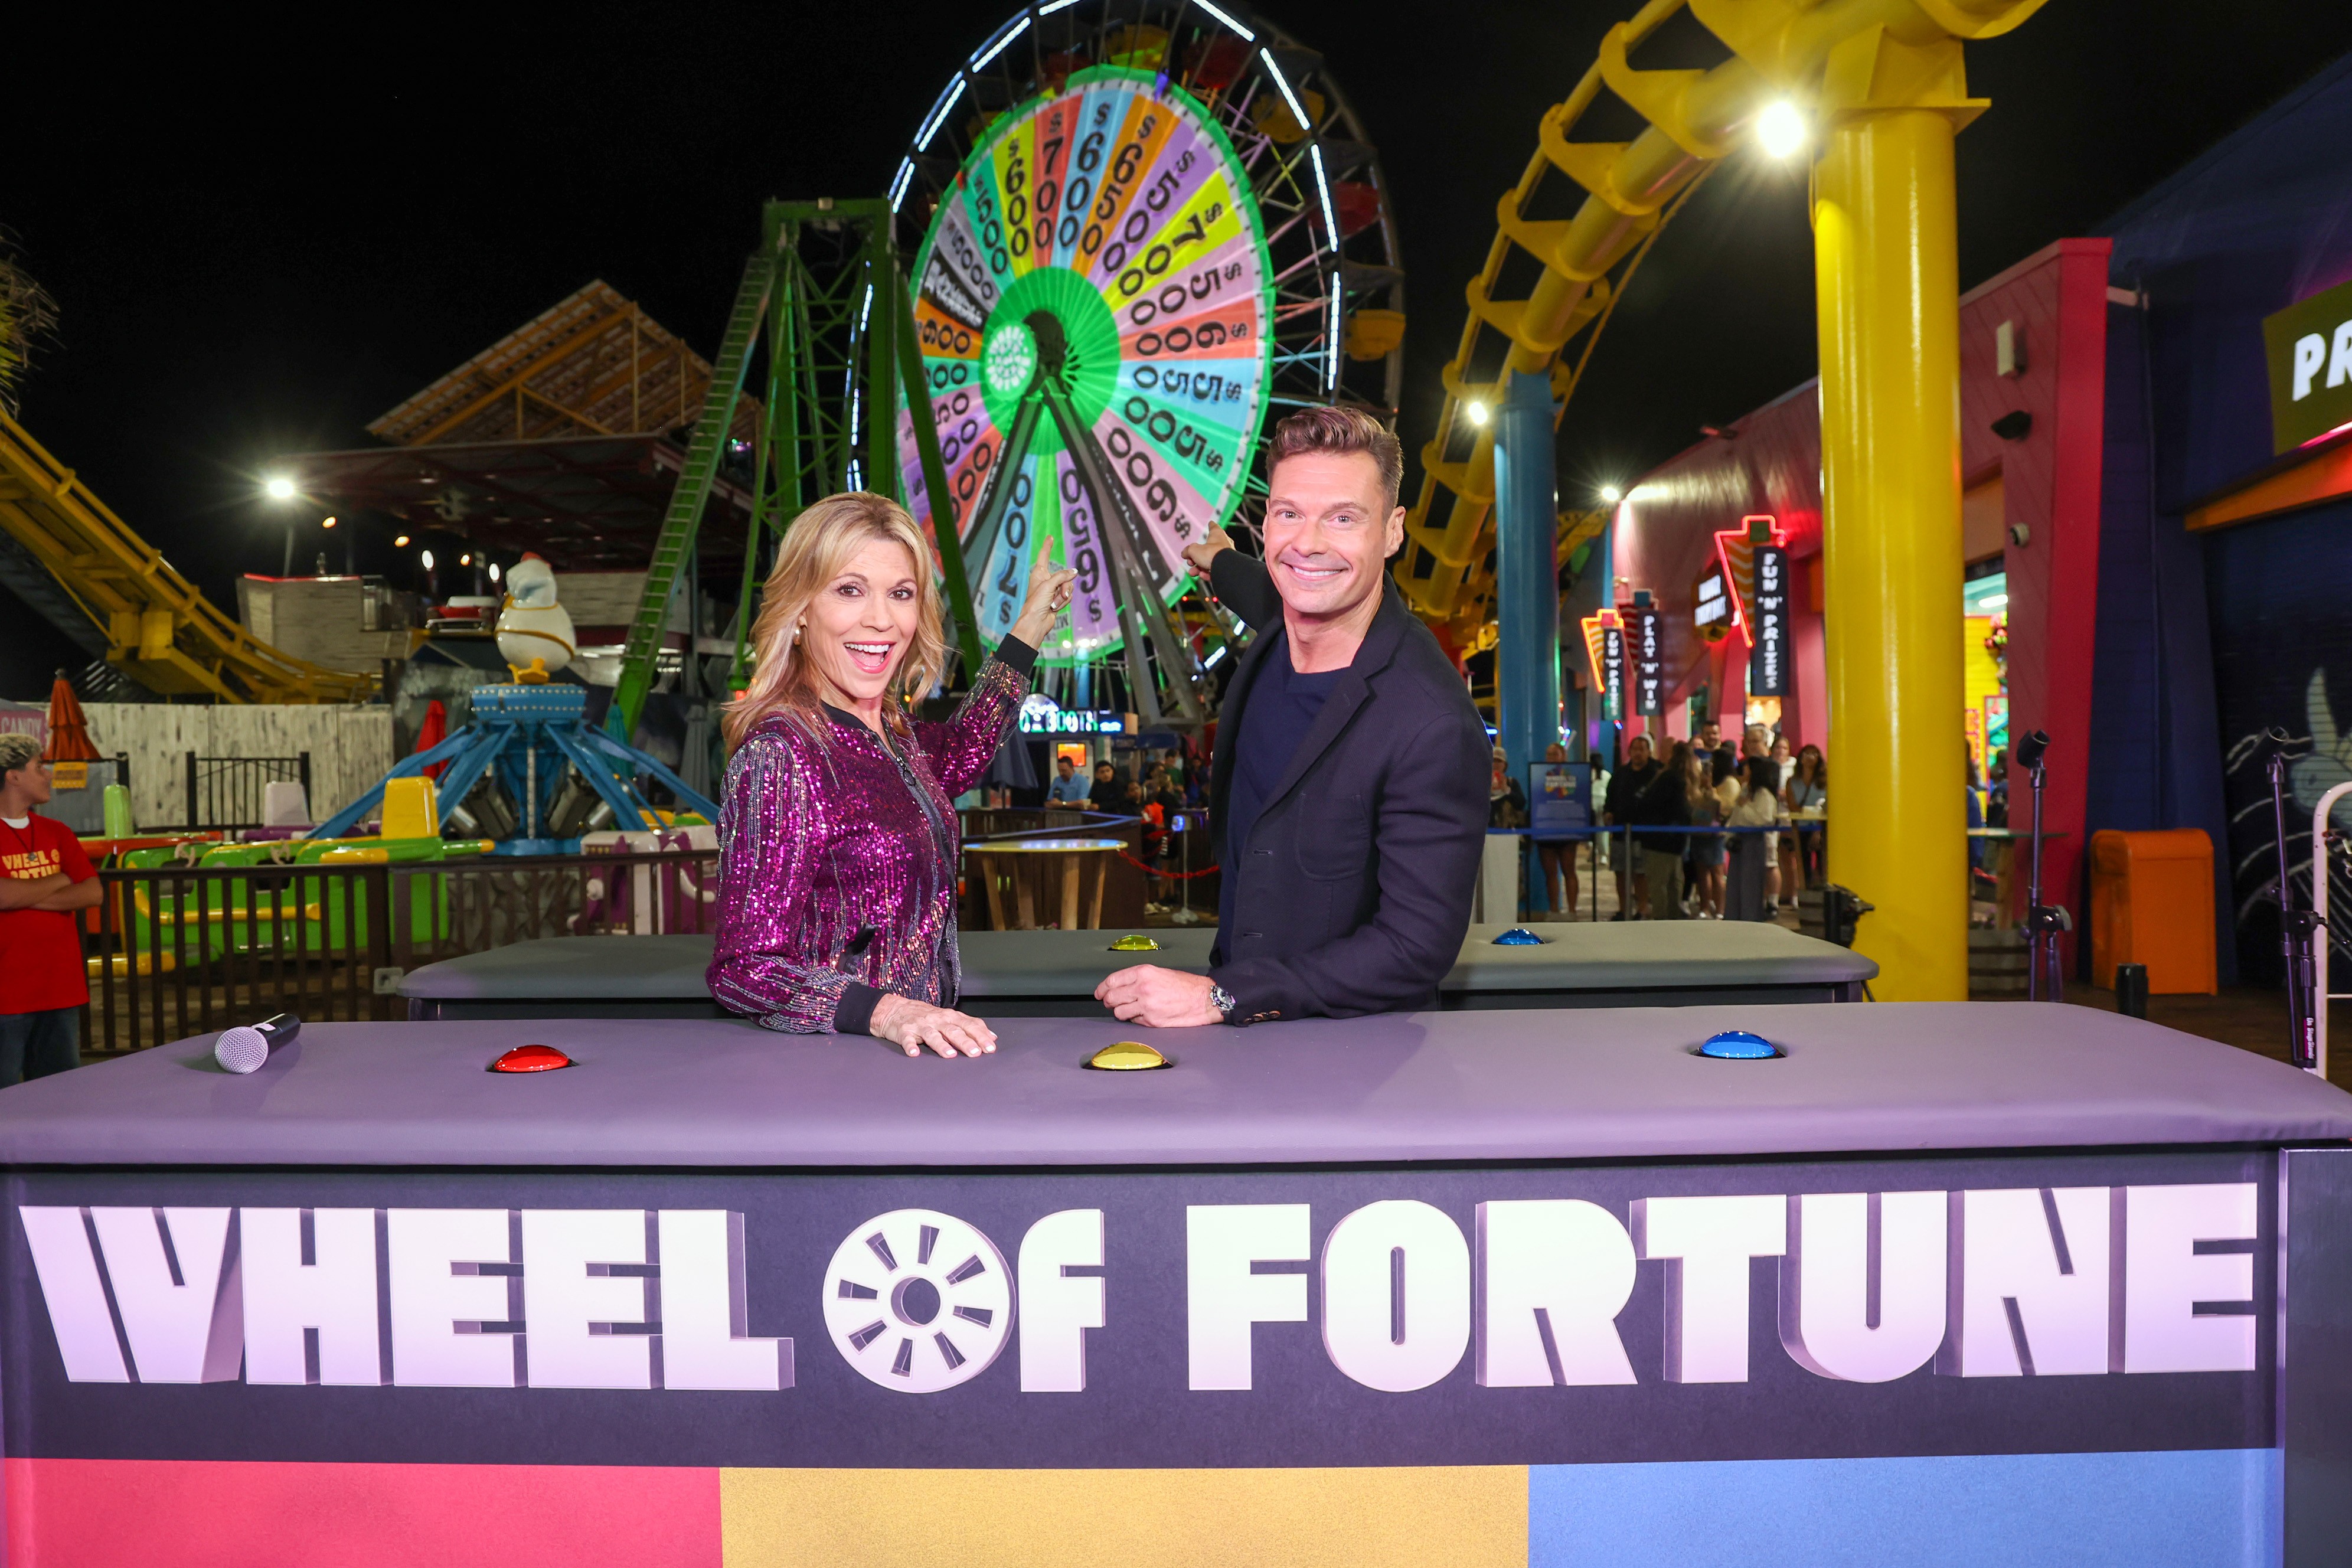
x=1166, y=785
x=1679, y=868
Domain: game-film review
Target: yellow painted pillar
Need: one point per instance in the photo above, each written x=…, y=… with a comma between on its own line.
x=1887, y=280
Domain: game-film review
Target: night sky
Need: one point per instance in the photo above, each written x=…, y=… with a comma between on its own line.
x=263, y=233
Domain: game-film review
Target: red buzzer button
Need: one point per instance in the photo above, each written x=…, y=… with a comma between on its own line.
x=531, y=1058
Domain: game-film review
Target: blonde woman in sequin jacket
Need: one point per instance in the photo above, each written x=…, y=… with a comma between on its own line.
x=838, y=839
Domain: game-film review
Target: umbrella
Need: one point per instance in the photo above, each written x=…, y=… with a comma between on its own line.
x=69, y=730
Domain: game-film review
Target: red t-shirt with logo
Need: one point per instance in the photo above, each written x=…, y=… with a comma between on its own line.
x=40, y=950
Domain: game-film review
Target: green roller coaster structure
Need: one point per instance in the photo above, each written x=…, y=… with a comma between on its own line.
x=825, y=296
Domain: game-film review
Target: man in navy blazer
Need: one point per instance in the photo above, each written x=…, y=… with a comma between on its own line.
x=1350, y=793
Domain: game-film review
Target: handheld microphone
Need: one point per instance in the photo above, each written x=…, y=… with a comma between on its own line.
x=245, y=1047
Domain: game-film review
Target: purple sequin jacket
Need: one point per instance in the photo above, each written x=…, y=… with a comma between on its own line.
x=837, y=858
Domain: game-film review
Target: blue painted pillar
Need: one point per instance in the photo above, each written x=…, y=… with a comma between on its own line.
x=1527, y=591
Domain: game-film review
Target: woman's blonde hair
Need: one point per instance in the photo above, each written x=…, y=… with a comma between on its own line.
x=816, y=550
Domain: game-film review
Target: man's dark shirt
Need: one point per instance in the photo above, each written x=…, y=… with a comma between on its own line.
x=1351, y=888
x=1625, y=787
x=1664, y=803
x=1281, y=710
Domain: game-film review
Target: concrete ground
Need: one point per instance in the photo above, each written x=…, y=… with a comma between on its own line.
x=2251, y=1017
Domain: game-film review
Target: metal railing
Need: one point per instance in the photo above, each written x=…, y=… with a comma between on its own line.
x=2323, y=839
x=227, y=792
x=177, y=950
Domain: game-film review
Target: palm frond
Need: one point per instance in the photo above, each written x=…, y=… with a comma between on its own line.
x=28, y=318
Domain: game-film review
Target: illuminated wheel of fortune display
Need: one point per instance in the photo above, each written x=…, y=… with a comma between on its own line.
x=1125, y=268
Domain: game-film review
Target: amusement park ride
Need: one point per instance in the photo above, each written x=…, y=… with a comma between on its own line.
x=1136, y=232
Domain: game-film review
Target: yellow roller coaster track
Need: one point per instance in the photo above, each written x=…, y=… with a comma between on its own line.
x=1828, y=54
x=159, y=630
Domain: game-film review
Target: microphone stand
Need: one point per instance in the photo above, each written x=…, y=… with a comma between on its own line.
x=2298, y=940
x=2043, y=923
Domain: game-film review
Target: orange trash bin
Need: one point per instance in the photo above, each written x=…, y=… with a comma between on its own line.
x=2152, y=904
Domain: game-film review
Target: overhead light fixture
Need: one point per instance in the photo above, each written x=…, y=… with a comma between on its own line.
x=1993, y=602
x=1611, y=495
x=1782, y=131
x=329, y=523
x=401, y=542
x=278, y=487
x=465, y=560
x=1476, y=411
x=426, y=555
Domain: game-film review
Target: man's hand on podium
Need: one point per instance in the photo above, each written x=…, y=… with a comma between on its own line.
x=1159, y=998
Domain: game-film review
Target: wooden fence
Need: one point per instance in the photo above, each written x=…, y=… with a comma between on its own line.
x=182, y=951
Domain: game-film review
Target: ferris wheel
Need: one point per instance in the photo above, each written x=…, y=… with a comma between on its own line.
x=1138, y=235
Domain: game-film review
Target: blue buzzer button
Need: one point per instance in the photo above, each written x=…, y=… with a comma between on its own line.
x=1518, y=936
x=1739, y=1046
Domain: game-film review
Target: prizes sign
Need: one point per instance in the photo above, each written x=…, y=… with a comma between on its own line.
x=1768, y=659
x=2309, y=346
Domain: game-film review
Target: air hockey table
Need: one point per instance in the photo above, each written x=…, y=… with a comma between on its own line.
x=1940, y=1284
x=1052, y=974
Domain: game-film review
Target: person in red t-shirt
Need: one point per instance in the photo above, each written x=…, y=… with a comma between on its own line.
x=45, y=878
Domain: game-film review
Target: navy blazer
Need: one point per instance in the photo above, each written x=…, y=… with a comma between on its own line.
x=1353, y=893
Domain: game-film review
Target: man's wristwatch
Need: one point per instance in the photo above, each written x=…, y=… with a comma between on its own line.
x=1221, y=1000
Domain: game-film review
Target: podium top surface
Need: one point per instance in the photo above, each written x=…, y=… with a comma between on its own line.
x=1508, y=1085
x=1581, y=956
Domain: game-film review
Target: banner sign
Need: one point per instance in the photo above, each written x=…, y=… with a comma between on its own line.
x=1613, y=668
x=1768, y=624
x=1714, y=612
x=2309, y=346
x=1649, y=663
x=1041, y=715
x=2063, y=1302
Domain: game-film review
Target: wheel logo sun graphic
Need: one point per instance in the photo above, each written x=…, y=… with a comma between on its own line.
x=1010, y=359
x=917, y=1301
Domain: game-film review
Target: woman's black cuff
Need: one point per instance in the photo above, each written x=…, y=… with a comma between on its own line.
x=853, y=1014
x=1017, y=656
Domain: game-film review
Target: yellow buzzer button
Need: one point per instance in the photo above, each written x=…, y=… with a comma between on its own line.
x=1127, y=1055
x=1135, y=944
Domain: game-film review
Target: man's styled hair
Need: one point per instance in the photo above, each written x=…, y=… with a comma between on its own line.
x=1341, y=430
x=18, y=750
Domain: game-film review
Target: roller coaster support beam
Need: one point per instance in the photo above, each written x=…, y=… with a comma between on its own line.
x=1798, y=50
x=1526, y=526
x=1888, y=279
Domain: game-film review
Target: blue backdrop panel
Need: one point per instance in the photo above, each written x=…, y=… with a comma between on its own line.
x=2208, y=1508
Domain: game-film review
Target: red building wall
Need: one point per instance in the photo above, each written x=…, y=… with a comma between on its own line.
x=2057, y=299
x=1769, y=461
